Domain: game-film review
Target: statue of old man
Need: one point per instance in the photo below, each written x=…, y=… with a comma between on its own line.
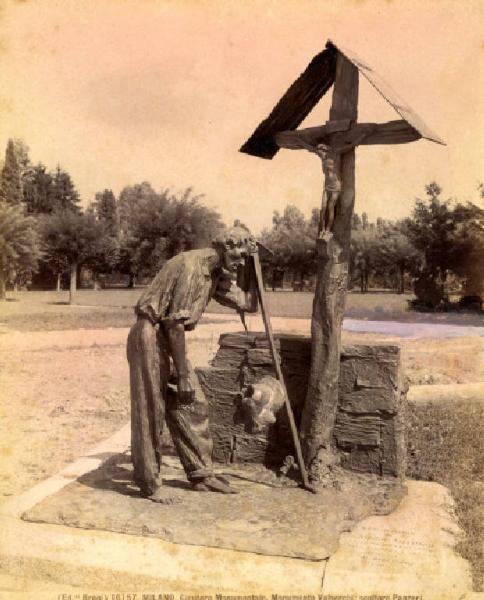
x=172, y=304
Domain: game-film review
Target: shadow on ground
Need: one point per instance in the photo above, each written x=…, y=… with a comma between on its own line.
x=265, y=517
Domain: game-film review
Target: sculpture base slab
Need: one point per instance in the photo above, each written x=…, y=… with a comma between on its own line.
x=269, y=516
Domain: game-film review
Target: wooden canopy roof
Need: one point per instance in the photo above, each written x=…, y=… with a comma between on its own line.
x=310, y=87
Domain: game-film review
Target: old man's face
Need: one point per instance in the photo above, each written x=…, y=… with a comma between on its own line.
x=234, y=256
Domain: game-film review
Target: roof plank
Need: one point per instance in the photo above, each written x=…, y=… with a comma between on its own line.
x=310, y=87
x=295, y=104
x=386, y=91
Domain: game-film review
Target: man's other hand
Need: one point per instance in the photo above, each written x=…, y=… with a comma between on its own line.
x=186, y=393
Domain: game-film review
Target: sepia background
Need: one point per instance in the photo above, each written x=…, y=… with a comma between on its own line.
x=121, y=92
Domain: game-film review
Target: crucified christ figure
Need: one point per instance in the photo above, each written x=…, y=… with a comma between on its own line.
x=330, y=153
x=329, y=142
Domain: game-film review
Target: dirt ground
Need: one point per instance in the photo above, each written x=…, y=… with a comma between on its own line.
x=57, y=402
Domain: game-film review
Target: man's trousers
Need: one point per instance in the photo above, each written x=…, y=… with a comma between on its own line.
x=152, y=404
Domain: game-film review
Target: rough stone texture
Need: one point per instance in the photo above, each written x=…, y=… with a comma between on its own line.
x=368, y=432
x=270, y=515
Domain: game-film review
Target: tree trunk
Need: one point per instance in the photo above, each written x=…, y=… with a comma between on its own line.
x=58, y=282
x=3, y=286
x=132, y=280
x=302, y=275
x=402, y=280
x=365, y=281
x=320, y=408
x=95, y=282
x=79, y=276
x=73, y=284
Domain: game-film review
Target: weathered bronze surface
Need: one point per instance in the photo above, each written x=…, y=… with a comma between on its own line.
x=368, y=435
x=173, y=303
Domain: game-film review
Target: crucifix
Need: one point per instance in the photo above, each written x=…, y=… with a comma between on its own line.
x=334, y=143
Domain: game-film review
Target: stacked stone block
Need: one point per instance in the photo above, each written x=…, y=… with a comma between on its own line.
x=369, y=432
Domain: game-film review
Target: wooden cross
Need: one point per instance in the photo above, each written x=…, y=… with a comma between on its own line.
x=335, y=139
x=335, y=143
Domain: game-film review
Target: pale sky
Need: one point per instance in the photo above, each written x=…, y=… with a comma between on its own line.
x=121, y=91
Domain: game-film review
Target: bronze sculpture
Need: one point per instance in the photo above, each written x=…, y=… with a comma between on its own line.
x=172, y=304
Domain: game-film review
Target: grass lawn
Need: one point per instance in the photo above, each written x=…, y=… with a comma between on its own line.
x=37, y=311
x=445, y=444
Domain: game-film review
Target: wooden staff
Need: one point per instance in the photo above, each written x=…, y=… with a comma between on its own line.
x=277, y=365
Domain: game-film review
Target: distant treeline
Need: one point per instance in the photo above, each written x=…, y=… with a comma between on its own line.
x=438, y=247
x=46, y=239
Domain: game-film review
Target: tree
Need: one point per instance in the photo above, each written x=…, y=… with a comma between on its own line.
x=22, y=154
x=396, y=252
x=450, y=237
x=10, y=178
x=103, y=253
x=105, y=209
x=480, y=189
x=188, y=224
x=364, y=253
x=70, y=239
x=239, y=223
x=38, y=191
x=54, y=261
x=127, y=263
x=44, y=192
x=292, y=239
x=64, y=193
x=356, y=222
x=19, y=245
x=431, y=230
x=156, y=226
x=129, y=199
x=468, y=247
